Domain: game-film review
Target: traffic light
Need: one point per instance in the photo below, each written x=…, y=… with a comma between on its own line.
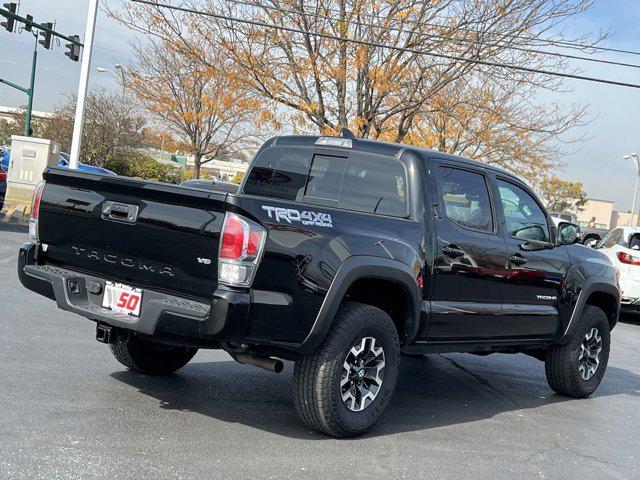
x=12, y=7
x=73, y=50
x=28, y=25
x=45, y=41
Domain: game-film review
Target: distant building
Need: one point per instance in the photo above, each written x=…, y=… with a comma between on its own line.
x=602, y=210
x=605, y=216
x=14, y=114
x=223, y=169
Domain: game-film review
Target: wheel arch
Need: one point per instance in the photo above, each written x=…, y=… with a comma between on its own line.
x=358, y=274
x=598, y=292
x=591, y=236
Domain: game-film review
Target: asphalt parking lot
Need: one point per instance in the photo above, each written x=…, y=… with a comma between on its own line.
x=70, y=411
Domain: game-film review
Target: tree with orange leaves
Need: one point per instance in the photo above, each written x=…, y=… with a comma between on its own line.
x=204, y=105
x=382, y=83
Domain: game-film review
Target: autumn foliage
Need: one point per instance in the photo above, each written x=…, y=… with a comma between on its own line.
x=383, y=84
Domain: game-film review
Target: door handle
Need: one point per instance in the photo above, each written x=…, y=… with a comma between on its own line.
x=452, y=251
x=517, y=259
x=119, y=212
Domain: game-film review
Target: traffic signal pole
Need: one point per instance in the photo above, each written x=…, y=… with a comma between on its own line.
x=47, y=32
x=27, y=122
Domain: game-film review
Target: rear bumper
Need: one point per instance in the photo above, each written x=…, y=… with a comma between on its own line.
x=224, y=318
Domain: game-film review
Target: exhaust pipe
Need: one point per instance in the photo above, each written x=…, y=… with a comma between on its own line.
x=270, y=364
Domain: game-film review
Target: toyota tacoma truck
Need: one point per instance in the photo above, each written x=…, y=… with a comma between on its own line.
x=336, y=253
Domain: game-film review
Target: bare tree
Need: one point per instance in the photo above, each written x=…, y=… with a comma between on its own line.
x=385, y=83
x=112, y=124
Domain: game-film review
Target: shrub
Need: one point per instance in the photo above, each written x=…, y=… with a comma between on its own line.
x=237, y=178
x=132, y=163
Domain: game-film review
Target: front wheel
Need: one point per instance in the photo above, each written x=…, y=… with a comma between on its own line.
x=576, y=368
x=343, y=388
x=147, y=357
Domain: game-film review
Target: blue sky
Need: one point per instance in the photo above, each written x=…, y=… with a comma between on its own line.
x=597, y=162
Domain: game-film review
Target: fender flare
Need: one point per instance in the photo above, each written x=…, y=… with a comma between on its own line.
x=356, y=268
x=591, y=285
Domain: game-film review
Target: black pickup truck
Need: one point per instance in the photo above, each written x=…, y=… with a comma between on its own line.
x=336, y=253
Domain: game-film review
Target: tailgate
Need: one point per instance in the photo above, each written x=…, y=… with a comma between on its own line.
x=150, y=235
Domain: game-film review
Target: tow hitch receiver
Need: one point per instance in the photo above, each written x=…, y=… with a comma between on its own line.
x=105, y=333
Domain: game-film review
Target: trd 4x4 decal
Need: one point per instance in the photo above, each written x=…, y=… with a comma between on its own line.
x=291, y=215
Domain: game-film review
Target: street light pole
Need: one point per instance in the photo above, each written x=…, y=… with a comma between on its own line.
x=119, y=69
x=636, y=162
x=76, y=139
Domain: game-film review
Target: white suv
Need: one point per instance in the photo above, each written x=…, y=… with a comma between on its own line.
x=622, y=246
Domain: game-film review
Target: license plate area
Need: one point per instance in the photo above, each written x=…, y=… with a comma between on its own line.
x=122, y=298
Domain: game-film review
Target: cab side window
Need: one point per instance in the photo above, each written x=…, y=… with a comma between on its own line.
x=465, y=198
x=525, y=219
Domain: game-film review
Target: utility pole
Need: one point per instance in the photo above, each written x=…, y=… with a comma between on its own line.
x=636, y=162
x=76, y=139
x=47, y=32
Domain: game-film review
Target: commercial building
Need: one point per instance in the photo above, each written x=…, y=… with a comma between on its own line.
x=604, y=214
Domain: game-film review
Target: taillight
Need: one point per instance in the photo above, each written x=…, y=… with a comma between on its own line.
x=241, y=248
x=628, y=258
x=35, y=211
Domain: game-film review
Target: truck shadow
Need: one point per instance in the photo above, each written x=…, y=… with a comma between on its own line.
x=433, y=391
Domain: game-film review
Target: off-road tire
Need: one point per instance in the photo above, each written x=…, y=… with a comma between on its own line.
x=147, y=357
x=317, y=376
x=561, y=365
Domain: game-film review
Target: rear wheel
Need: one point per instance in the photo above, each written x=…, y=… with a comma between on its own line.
x=343, y=388
x=576, y=368
x=147, y=357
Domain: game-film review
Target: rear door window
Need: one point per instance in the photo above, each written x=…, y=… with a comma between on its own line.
x=465, y=198
x=611, y=239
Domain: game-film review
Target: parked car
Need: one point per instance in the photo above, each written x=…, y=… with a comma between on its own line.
x=336, y=253
x=64, y=162
x=3, y=185
x=622, y=246
x=589, y=236
x=213, y=185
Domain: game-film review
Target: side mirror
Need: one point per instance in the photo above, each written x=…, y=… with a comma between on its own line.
x=568, y=233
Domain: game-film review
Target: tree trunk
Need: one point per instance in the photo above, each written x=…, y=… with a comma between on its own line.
x=197, y=158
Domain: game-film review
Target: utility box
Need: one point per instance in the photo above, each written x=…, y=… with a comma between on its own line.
x=29, y=158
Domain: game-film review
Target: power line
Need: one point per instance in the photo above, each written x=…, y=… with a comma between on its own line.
x=390, y=47
x=431, y=35
x=548, y=41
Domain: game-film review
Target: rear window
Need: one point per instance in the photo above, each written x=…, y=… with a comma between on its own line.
x=361, y=182
x=280, y=173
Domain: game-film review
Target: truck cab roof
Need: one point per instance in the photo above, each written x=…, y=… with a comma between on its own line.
x=380, y=147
